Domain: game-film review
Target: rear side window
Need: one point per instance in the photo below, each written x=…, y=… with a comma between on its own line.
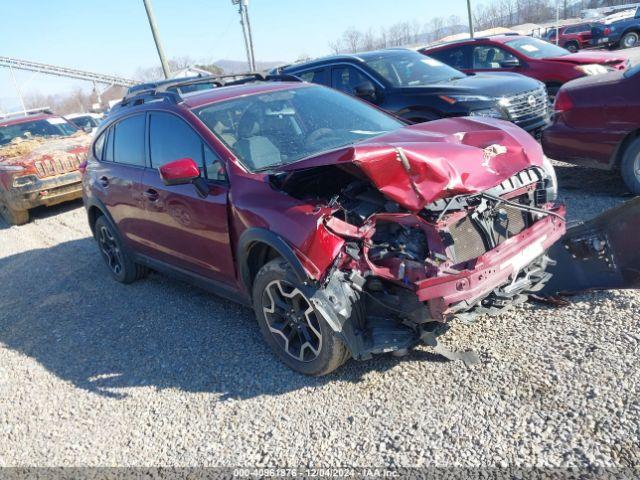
x=454, y=57
x=347, y=78
x=108, y=149
x=315, y=76
x=129, y=141
x=98, y=146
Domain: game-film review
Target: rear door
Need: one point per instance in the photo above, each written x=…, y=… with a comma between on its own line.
x=118, y=175
x=456, y=57
x=184, y=229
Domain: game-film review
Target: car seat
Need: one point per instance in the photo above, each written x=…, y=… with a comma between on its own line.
x=256, y=150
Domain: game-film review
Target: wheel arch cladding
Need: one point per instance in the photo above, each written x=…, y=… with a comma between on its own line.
x=622, y=147
x=256, y=247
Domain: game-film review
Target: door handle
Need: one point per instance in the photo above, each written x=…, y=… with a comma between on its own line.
x=151, y=195
x=104, y=181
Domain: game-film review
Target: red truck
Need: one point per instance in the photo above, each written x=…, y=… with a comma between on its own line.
x=40, y=154
x=572, y=37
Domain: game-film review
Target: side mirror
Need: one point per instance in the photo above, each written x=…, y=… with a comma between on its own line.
x=510, y=63
x=179, y=172
x=87, y=129
x=365, y=90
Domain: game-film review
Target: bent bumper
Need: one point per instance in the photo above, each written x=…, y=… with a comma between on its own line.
x=47, y=191
x=452, y=293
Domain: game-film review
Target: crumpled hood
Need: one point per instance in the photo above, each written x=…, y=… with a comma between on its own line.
x=26, y=152
x=419, y=164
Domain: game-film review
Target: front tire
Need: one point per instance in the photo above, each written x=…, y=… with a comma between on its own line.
x=11, y=215
x=629, y=40
x=120, y=263
x=289, y=323
x=573, y=47
x=630, y=166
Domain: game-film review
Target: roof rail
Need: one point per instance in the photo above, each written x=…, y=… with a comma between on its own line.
x=26, y=113
x=172, y=90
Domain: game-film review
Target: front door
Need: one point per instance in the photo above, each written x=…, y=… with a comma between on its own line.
x=184, y=229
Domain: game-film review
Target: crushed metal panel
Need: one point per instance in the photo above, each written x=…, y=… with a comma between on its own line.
x=602, y=253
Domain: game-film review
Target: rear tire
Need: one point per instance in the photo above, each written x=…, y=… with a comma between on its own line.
x=11, y=215
x=118, y=260
x=289, y=323
x=629, y=40
x=630, y=166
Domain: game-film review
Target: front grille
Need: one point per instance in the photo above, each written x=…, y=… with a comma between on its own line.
x=56, y=166
x=528, y=108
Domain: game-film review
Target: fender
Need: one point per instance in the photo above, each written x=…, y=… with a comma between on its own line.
x=97, y=203
x=267, y=237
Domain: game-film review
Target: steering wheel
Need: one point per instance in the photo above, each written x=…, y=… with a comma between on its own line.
x=317, y=135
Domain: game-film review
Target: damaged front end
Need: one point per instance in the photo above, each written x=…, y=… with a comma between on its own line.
x=417, y=255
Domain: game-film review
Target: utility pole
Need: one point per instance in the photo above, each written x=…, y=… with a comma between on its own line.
x=156, y=38
x=246, y=31
x=470, y=18
x=557, y=22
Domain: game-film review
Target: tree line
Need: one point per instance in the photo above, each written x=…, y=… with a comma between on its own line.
x=498, y=13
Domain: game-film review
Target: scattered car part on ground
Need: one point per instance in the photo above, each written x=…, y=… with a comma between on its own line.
x=348, y=231
x=40, y=156
x=597, y=124
x=599, y=254
x=618, y=30
x=421, y=89
x=550, y=64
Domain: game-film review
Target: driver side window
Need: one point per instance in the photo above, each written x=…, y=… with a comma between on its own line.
x=346, y=78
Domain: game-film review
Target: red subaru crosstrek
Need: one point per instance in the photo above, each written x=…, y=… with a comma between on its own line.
x=550, y=64
x=349, y=232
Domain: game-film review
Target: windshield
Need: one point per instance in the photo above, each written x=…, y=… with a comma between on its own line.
x=85, y=121
x=48, y=127
x=282, y=127
x=536, y=48
x=411, y=69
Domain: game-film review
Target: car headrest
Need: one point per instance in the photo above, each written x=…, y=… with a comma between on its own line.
x=249, y=124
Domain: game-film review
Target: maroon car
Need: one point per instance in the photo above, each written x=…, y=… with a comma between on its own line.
x=529, y=56
x=349, y=232
x=597, y=124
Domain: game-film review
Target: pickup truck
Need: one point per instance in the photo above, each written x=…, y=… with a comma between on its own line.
x=621, y=29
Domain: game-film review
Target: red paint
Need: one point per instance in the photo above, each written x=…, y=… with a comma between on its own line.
x=445, y=158
x=553, y=71
x=179, y=171
x=594, y=117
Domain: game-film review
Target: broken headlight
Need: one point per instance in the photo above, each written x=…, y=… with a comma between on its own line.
x=550, y=179
x=592, y=69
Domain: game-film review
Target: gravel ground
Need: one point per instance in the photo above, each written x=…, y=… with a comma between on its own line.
x=160, y=373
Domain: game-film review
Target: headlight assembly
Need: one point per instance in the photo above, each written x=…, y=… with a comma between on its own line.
x=551, y=180
x=592, y=69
